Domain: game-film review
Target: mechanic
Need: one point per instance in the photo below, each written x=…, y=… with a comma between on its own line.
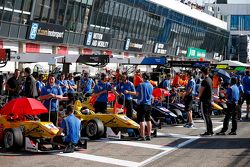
x=188, y=99
x=13, y=86
x=232, y=101
x=246, y=86
x=63, y=84
x=40, y=84
x=205, y=96
x=50, y=94
x=87, y=84
x=101, y=92
x=30, y=90
x=127, y=88
x=137, y=78
x=166, y=84
x=69, y=132
x=144, y=99
x=71, y=83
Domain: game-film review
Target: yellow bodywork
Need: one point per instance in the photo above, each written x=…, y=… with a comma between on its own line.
x=108, y=120
x=32, y=128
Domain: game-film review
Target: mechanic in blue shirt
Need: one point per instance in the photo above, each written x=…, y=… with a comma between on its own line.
x=71, y=128
x=101, y=92
x=232, y=101
x=71, y=84
x=144, y=99
x=40, y=84
x=188, y=99
x=50, y=95
x=246, y=86
x=241, y=96
x=63, y=84
x=126, y=88
x=166, y=84
x=87, y=84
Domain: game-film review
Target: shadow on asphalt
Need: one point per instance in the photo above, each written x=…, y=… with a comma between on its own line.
x=220, y=143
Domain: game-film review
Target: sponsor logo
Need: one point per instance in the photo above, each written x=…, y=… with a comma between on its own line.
x=89, y=38
x=33, y=31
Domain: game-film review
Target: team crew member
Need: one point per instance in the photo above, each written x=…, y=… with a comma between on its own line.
x=87, y=84
x=166, y=84
x=63, y=84
x=216, y=84
x=39, y=84
x=246, y=86
x=69, y=132
x=144, y=95
x=101, y=92
x=188, y=98
x=127, y=88
x=30, y=84
x=71, y=83
x=232, y=101
x=50, y=93
x=137, y=78
x=241, y=98
x=205, y=96
x=13, y=85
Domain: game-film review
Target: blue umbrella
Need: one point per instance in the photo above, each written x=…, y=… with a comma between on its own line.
x=223, y=74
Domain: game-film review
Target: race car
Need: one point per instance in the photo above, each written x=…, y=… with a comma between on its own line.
x=95, y=124
x=25, y=131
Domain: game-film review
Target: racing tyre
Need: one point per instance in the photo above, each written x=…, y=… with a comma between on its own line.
x=13, y=138
x=94, y=129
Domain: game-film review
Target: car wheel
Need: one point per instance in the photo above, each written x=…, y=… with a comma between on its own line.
x=94, y=129
x=13, y=138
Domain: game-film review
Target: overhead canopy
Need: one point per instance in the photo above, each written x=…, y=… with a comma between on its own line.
x=234, y=63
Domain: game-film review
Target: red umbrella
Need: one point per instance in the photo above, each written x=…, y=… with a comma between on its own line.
x=23, y=106
x=158, y=92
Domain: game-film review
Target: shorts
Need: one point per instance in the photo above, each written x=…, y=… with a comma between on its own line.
x=247, y=98
x=188, y=103
x=100, y=107
x=143, y=112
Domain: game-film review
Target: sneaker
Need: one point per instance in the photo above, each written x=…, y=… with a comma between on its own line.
x=148, y=138
x=69, y=149
x=141, y=139
x=185, y=125
x=190, y=126
x=232, y=133
x=221, y=133
x=206, y=134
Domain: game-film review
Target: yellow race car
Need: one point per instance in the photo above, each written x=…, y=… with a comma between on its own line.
x=95, y=124
x=25, y=131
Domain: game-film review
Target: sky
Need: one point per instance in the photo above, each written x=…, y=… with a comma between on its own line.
x=229, y=1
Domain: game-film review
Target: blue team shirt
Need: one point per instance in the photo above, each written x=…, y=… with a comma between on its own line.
x=233, y=94
x=39, y=85
x=100, y=86
x=145, y=91
x=246, y=85
x=166, y=84
x=54, y=90
x=71, y=83
x=191, y=84
x=129, y=86
x=72, y=127
x=88, y=85
x=63, y=85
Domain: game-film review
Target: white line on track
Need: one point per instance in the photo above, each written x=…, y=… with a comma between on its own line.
x=101, y=159
x=166, y=150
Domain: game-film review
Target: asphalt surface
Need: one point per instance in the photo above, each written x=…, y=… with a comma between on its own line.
x=175, y=146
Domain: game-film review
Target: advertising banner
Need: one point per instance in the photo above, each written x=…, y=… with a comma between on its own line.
x=134, y=45
x=160, y=48
x=96, y=39
x=196, y=53
x=46, y=32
